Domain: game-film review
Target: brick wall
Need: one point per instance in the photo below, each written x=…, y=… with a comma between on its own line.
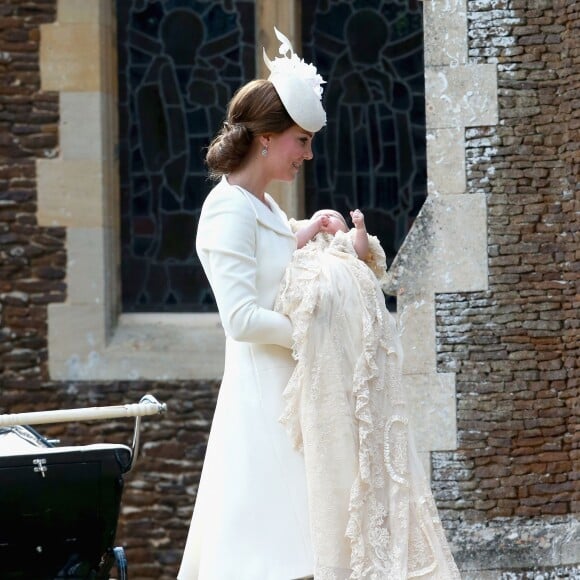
x=158, y=497
x=515, y=347
x=32, y=261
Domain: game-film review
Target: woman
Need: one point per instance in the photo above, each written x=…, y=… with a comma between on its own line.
x=250, y=520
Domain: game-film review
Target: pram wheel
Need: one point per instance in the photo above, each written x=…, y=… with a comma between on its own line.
x=121, y=562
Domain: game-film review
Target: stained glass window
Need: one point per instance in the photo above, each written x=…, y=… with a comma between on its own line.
x=372, y=153
x=179, y=62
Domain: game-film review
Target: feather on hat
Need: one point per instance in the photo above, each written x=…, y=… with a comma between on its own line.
x=298, y=85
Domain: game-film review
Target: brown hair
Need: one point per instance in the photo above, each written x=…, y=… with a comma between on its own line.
x=255, y=109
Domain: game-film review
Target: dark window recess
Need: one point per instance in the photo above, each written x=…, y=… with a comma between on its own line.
x=180, y=62
x=372, y=153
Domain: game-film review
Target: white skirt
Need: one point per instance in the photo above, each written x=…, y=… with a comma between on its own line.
x=250, y=519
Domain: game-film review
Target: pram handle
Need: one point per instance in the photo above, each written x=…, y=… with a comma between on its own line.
x=148, y=405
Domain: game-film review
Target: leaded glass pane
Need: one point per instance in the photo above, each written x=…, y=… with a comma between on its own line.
x=372, y=154
x=180, y=62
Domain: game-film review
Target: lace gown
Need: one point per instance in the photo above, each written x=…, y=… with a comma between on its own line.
x=372, y=513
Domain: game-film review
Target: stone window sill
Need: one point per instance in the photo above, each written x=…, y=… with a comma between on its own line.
x=161, y=347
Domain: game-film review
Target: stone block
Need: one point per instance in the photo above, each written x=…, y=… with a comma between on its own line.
x=416, y=319
x=88, y=276
x=83, y=126
x=76, y=337
x=461, y=96
x=425, y=460
x=161, y=347
x=460, y=231
x=446, y=249
x=445, y=30
x=86, y=11
x=141, y=344
x=446, y=161
x=432, y=411
x=517, y=543
x=70, y=192
x=70, y=57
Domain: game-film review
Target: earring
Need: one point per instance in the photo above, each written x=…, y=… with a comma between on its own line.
x=264, y=152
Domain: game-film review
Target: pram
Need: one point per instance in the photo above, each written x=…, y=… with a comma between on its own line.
x=59, y=506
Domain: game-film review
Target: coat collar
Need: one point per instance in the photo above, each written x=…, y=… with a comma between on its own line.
x=273, y=218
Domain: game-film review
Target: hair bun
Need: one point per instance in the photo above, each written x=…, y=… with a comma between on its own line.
x=229, y=148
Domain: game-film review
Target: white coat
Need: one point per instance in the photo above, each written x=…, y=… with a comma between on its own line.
x=250, y=520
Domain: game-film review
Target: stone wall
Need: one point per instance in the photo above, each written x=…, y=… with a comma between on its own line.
x=515, y=348
x=159, y=491
x=32, y=262
x=508, y=495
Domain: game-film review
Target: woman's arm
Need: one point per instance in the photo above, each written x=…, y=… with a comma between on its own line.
x=225, y=244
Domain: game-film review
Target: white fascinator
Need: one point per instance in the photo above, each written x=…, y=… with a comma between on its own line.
x=298, y=85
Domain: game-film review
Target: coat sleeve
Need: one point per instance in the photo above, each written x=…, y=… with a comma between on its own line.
x=226, y=246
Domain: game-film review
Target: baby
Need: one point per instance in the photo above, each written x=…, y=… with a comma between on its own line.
x=371, y=508
x=330, y=221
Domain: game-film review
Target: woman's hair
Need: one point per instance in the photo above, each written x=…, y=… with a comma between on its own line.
x=255, y=109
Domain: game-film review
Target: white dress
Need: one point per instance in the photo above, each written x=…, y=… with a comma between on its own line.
x=250, y=520
x=372, y=513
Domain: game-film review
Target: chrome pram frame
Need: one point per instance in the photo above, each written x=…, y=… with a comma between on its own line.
x=59, y=506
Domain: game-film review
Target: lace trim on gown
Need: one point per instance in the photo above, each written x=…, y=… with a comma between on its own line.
x=372, y=513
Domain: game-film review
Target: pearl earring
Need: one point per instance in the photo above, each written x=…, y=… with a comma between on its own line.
x=264, y=152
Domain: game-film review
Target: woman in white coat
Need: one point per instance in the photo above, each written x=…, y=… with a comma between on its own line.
x=250, y=520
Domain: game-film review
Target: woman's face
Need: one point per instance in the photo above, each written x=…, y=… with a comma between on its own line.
x=287, y=151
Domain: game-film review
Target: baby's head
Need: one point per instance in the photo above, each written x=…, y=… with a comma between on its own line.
x=334, y=221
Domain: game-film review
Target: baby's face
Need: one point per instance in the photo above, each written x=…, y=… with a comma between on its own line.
x=333, y=223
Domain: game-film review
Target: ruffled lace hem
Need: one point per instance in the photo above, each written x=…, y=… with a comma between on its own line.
x=372, y=512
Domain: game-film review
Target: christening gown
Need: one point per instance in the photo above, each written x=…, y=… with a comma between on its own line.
x=372, y=514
